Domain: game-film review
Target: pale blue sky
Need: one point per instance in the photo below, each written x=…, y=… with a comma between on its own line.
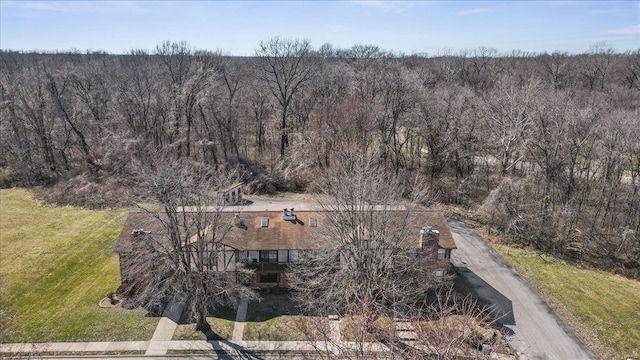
x=236, y=27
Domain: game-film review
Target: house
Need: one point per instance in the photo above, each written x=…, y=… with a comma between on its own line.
x=231, y=195
x=268, y=240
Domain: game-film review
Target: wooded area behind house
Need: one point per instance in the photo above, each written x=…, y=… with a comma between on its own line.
x=544, y=147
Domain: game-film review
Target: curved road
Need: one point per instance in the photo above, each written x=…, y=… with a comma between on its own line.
x=536, y=332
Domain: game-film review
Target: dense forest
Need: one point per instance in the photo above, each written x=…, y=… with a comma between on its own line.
x=542, y=147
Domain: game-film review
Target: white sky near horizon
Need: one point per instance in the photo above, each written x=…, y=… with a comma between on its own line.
x=237, y=27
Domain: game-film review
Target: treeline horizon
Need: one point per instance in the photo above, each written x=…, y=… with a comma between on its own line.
x=329, y=50
x=543, y=148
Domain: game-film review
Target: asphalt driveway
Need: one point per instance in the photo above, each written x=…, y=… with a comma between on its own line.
x=536, y=332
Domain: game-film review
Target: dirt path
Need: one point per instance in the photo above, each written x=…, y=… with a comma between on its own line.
x=537, y=332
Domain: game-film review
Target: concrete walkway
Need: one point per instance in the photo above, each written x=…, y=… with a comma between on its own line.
x=234, y=349
x=161, y=342
x=72, y=347
x=229, y=347
x=335, y=328
x=164, y=331
x=241, y=318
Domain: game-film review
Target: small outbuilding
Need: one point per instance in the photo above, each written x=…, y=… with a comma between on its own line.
x=231, y=195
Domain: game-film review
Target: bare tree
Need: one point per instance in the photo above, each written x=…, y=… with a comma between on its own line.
x=188, y=81
x=261, y=109
x=399, y=96
x=595, y=65
x=557, y=68
x=372, y=263
x=66, y=107
x=449, y=326
x=629, y=69
x=286, y=65
x=359, y=52
x=476, y=67
x=508, y=120
x=182, y=260
x=29, y=115
x=441, y=114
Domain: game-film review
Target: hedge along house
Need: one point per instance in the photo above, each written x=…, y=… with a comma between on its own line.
x=268, y=241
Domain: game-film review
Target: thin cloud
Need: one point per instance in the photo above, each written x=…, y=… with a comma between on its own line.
x=564, y=2
x=475, y=11
x=74, y=7
x=606, y=12
x=384, y=4
x=630, y=30
x=32, y=5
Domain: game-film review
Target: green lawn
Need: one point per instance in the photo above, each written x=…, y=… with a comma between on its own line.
x=602, y=308
x=220, y=329
x=56, y=264
x=282, y=328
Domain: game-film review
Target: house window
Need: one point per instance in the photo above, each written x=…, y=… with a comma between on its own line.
x=283, y=256
x=439, y=276
x=265, y=222
x=313, y=222
x=441, y=254
x=269, y=256
x=253, y=255
x=269, y=278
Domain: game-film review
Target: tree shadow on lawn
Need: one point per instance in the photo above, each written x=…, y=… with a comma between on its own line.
x=277, y=317
x=224, y=313
x=272, y=303
x=232, y=351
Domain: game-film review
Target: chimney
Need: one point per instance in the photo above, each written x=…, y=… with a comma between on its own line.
x=428, y=235
x=236, y=220
x=289, y=215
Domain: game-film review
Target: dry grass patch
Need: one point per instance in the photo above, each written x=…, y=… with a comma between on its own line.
x=276, y=317
x=279, y=328
x=314, y=328
x=361, y=329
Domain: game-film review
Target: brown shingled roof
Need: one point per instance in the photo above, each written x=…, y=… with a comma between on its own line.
x=138, y=220
x=281, y=234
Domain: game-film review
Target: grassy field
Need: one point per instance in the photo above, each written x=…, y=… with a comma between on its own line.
x=602, y=308
x=56, y=264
